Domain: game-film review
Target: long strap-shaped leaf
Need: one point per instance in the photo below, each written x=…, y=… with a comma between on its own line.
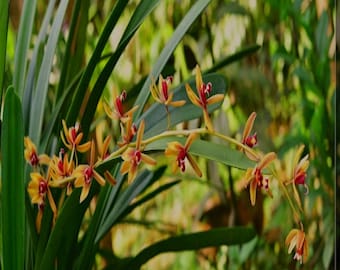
x=141, y=12
x=12, y=181
x=177, y=36
x=193, y=241
x=33, y=67
x=95, y=58
x=22, y=45
x=40, y=94
x=4, y=6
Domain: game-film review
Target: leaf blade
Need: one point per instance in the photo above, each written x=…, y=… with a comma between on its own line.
x=13, y=187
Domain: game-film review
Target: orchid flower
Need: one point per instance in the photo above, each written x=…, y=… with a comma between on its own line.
x=203, y=99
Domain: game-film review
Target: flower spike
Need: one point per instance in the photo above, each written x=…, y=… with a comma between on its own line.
x=203, y=99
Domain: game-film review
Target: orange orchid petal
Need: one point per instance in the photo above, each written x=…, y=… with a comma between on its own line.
x=132, y=173
x=215, y=98
x=266, y=160
x=191, y=95
x=125, y=167
x=249, y=125
x=194, y=165
x=190, y=140
x=84, y=192
x=177, y=103
x=147, y=159
x=99, y=178
x=110, y=178
x=83, y=147
x=252, y=190
x=199, y=80
x=140, y=133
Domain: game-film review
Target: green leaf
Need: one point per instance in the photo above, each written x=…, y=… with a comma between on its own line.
x=177, y=36
x=4, y=7
x=40, y=94
x=156, y=117
x=142, y=10
x=12, y=184
x=117, y=209
x=234, y=57
x=208, y=150
x=193, y=241
x=94, y=60
x=75, y=46
x=22, y=45
x=33, y=65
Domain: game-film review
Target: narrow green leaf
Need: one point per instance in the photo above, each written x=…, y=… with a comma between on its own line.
x=177, y=36
x=22, y=45
x=142, y=181
x=4, y=7
x=33, y=68
x=234, y=57
x=75, y=46
x=193, y=241
x=95, y=58
x=39, y=98
x=151, y=195
x=208, y=150
x=142, y=10
x=12, y=183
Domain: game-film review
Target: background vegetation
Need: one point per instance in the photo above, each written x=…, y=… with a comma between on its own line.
x=279, y=60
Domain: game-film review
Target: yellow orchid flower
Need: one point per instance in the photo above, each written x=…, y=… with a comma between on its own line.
x=255, y=178
x=71, y=138
x=297, y=238
x=118, y=109
x=84, y=174
x=203, y=99
x=133, y=156
x=181, y=153
x=161, y=93
x=31, y=155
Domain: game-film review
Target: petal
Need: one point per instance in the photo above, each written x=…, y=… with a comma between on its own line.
x=191, y=95
x=83, y=147
x=194, y=165
x=84, y=192
x=108, y=111
x=199, y=81
x=110, y=178
x=252, y=190
x=249, y=125
x=99, y=178
x=132, y=173
x=148, y=160
x=65, y=130
x=215, y=98
x=190, y=140
x=266, y=160
x=125, y=167
x=177, y=103
x=290, y=236
x=140, y=133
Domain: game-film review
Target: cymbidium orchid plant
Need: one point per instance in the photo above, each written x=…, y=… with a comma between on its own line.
x=66, y=181
x=66, y=172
